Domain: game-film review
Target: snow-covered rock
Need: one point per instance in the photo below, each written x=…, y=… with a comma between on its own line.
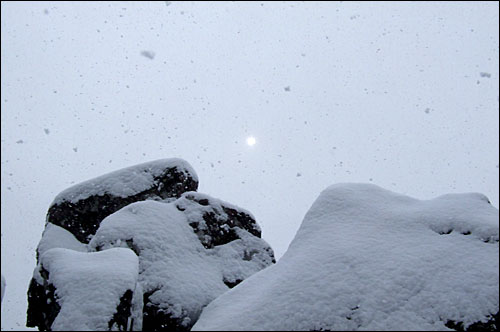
x=81, y=291
x=42, y=307
x=215, y=221
x=366, y=258
x=182, y=271
x=191, y=248
x=81, y=208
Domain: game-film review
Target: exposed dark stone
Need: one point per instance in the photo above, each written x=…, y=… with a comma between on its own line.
x=490, y=325
x=120, y=318
x=231, y=284
x=242, y=220
x=157, y=319
x=131, y=245
x=217, y=235
x=83, y=217
x=248, y=255
x=42, y=304
x=203, y=202
x=219, y=224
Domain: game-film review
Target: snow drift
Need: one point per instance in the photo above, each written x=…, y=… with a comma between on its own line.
x=366, y=258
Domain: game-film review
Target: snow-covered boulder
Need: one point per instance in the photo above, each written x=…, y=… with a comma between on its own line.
x=82, y=207
x=191, y=248
x=42, y=308
x=366, y=258
x=190, y=251
x=215, y=221
x=81, y=291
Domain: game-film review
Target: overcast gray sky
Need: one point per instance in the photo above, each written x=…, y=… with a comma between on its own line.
x=402, y=95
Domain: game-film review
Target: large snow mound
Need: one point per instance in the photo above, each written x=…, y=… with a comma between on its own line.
x=88, y=286
x=125, y=182
x=366, y=258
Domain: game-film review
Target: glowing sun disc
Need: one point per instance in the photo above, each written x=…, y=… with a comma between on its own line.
x=251, y=141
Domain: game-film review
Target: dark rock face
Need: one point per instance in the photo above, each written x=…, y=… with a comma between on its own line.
x=157, y=319
x=218, y=219
x=123, y=312
x=490, y=325
x=82, y=216
x=231, y=284
x=43, y=307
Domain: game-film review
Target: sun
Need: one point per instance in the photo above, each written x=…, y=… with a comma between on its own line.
x=251, y=141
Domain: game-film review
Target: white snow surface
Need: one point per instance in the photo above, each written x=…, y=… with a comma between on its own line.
x=172, y=260
x=89, y=285
x=55, y=236
x=124, y=182
x=3, y=287
x=366, y=258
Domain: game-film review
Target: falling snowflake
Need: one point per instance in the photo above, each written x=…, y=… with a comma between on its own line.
x=148, y=54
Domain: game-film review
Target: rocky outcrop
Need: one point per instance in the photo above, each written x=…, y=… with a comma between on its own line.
x=189, y=253
x=81, y=208
x=190, y=247
x=366, y=258
x=43, y=306
x=215, y=221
